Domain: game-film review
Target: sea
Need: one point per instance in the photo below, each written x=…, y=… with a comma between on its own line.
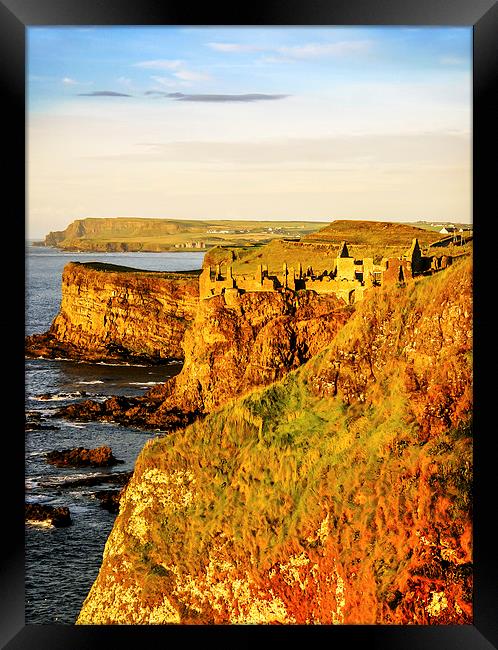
x=61, y=563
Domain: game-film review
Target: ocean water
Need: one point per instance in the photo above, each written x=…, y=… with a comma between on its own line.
x=62, y=563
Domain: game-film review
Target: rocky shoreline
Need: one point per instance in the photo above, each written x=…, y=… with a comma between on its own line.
x=81, y=457
x=47, y=346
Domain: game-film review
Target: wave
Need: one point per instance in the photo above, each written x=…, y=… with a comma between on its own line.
x=49, y=411
x=55, y=397
x=53, y=480
x=95, y=381
x=45, y=523
x=123, y=363
x=145, y=383
x=31, y=483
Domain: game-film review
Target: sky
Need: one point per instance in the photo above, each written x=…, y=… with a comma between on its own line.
x=289, y=123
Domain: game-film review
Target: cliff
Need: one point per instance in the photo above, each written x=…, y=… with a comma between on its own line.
x=107, y=234
x=233, y=345
x=112, y=312
x=338, y=494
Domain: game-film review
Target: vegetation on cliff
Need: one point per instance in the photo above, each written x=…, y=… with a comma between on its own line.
x=339, y=494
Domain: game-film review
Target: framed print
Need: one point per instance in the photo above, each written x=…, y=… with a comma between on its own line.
x=248, y=311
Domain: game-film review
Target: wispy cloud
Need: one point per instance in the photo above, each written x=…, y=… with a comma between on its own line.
x=189, y=75
x=245, y=97
x=160, y=64
x=315, y=50
x=69, y=81
x=125, y=81
x=176, y=67
x=305, y=51
x=418, y=150
x=236, y=47
x=104, y=93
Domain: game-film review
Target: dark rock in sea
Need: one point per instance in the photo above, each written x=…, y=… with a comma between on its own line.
x=92, y=410
x=109, y=499
x=50, y=396
x=48, y=515
x=81, y=457
x=115, y=478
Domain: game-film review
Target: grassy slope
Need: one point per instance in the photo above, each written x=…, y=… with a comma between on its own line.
x=373, y=233
x=369, y=474
x=105, y=267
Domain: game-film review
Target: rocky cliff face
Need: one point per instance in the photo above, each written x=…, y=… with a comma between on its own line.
x=248, y=341
x=84, y=234
x=339, y=494
x=110, y=312
x=234, y=344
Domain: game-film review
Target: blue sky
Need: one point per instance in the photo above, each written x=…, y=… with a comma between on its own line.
x=240, y=108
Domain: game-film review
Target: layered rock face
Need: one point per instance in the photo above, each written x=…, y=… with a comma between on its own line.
x=83, y=234
x=109, y=312
x=338, y=495
x=233, y=345
x=242, y=342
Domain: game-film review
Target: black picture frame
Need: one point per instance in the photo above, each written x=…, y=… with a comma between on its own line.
x=15, y=17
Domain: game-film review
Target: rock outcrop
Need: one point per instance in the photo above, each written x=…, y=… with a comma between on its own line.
x=114, y=313
x=245, y=342
x=81, y=457
x=45, y=515
x=234, y=345
x=340, y=494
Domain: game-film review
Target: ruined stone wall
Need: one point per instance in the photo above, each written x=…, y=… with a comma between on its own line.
x=345, y=268
x=391, y=274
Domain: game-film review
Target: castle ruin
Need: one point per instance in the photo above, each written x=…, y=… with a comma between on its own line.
x=347, y=278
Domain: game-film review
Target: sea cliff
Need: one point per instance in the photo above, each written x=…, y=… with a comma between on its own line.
x=110, y=312
x=127, y=234
x=234, y=344
x=339, y=493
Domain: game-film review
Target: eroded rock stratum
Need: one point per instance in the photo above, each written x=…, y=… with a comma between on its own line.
x=113, y=313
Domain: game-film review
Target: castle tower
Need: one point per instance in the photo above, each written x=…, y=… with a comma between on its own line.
x=343, y=250
x=414, y=256
x=344, y=264
x=285, y=272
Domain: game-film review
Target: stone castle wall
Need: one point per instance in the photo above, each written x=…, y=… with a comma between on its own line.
x=348, y=278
